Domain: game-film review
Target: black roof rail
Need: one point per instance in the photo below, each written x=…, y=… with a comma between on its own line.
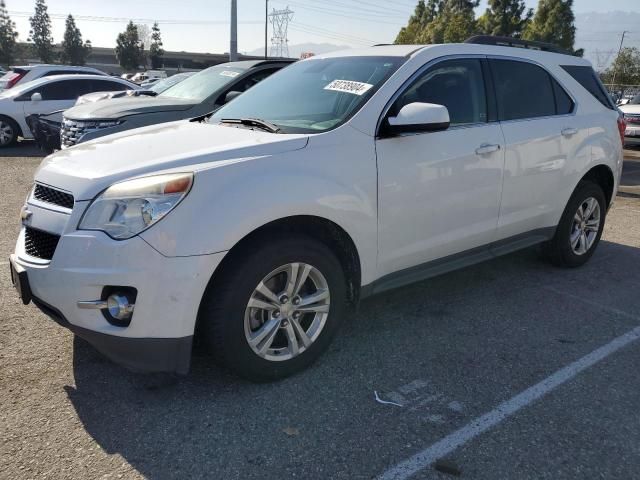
x=516, y=42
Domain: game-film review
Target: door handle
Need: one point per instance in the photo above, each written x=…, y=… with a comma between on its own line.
x=487, y=148
x=568, y=132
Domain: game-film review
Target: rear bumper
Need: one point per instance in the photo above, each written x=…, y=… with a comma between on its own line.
x=137, y=354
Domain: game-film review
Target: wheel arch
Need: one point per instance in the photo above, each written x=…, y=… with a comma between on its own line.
x=328, y=232
x=601, y=175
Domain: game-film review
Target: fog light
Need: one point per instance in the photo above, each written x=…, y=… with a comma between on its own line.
x=119, y=307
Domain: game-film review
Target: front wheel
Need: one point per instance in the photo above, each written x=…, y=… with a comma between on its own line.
x=580, y=227
x=275, y=308
x=8, y=132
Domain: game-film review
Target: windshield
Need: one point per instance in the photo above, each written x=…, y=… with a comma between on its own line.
x=203, y=84
x=313, y=95
x=162, y=85
x=635, y=100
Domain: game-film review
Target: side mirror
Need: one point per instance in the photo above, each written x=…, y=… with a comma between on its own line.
x=231, y=95
x=36, y=97
x=419, y=117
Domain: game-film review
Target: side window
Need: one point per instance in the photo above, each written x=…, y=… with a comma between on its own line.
x=251, y=80
x=456, y=84
x=107, y=86
x=64, y=90
x=515, y=84
x=564, y=104
x=246, y=83
x=586, y=77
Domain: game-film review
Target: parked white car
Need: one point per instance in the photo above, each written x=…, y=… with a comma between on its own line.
x=341, y=176
x=46, y=95
x=27, y=73
x=631, y=112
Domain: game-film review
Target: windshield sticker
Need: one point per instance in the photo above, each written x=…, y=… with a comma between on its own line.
x=228, y=73
x=348, y=86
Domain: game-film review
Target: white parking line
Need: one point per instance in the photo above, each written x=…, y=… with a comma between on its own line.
x=483, y=423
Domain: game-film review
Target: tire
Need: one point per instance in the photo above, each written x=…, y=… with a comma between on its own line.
x=228, y=323
x=9, y=131
x=560, y=249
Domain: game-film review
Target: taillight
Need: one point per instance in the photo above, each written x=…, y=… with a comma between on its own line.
x=15, y=79
x=622, y=126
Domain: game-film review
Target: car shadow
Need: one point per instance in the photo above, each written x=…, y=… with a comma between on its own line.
x=210, y=424
x=24, y=148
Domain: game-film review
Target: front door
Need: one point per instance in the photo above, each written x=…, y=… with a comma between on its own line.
x=439, y=192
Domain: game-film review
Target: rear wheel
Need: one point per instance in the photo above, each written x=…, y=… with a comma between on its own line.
x=275, y=309
x=580, y=227
x=8, y=132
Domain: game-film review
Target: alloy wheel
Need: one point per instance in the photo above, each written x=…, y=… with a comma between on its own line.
x=287, y=311
x=6, y=133
x=585, y=226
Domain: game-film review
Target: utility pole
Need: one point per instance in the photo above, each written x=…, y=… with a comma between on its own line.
x=266, y=25
x=233, y=47
x=615, y=70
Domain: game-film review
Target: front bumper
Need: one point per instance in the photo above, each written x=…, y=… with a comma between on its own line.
x=137, y=354
x=169, y=292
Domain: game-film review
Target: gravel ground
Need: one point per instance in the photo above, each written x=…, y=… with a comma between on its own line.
x=447, y=350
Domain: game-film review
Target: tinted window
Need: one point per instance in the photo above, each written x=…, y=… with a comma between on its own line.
x=246, y=83
x=456, y=84
x=69, y=72
x=523, y=90
x=106, y=86
x=564, y=104
x=63, y=90
x=586, y=77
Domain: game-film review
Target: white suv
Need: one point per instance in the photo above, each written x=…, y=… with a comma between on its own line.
x=341, y=176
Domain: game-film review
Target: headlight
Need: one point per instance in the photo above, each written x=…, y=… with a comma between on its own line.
x=127, y=208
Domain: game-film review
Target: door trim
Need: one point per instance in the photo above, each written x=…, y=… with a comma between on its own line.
x=456, y=261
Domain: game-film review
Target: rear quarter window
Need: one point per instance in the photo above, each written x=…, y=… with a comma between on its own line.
x=586, y=77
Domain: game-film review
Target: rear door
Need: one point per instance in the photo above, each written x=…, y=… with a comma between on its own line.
x=542, y=135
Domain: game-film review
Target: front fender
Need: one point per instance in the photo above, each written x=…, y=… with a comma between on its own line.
x=231, y=200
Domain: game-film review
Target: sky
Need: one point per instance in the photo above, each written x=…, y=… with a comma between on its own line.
x=203, y=25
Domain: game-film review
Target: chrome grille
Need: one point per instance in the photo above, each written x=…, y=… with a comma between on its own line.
x=51, y=195
x=40, y=244
x=71, y=131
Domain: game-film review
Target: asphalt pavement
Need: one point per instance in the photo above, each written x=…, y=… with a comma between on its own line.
x=511, y=369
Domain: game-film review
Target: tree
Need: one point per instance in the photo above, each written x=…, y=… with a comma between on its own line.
x=129, y=48
x=440, y=21
x=454, y=22
x=553, y=23
x=422, y=16
x=74, y=52
x=40, y=33
x=625, y=69
x=155, y=50
x=507, y=18
x=8, y=36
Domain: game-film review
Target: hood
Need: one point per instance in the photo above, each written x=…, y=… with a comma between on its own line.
x=89, y=168
x=115, y=108
x=630, y=108
x=97, y=96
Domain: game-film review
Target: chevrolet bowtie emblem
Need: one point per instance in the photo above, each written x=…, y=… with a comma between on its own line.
x=25, y=215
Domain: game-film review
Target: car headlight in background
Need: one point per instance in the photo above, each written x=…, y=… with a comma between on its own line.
x=127, y=208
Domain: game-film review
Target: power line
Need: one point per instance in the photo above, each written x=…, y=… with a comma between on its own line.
x=93, y=18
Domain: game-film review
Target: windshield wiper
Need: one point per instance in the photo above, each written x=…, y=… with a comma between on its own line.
x=253, y=122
